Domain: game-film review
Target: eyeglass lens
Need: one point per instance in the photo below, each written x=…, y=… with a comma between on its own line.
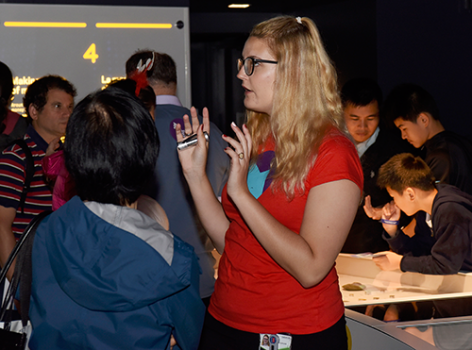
x=248, y=64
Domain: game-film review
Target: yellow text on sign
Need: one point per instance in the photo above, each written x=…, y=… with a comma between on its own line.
x=91, y=53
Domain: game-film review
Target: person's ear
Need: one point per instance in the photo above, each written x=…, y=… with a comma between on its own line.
x=33, y=112
x=411, y=194
x=424, y=119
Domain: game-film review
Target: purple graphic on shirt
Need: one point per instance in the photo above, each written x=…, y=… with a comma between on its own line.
x=263, y=163
x=173, y=125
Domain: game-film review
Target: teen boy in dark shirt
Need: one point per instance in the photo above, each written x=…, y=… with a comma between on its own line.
x=449, y=156
x=375, y=143
x=442, y=248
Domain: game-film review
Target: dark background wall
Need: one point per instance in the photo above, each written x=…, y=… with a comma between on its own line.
x=429, y=42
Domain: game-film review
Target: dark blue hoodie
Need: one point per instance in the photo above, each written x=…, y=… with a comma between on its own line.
x=109, y=277
x=446, y=248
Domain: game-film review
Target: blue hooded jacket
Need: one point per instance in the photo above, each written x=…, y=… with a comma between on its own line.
x=109, y=277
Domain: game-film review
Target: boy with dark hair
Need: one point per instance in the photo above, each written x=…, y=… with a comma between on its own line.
x=449, y=156
x=375, y=145
x=442, y=243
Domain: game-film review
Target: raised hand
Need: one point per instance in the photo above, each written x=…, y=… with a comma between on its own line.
x=53, y=146
x=193, y=159
x=240, y=154
x=390, y=218
x=390, y=211
x=371, y=212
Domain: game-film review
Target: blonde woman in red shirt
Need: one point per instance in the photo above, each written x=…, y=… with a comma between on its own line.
x=293, y=191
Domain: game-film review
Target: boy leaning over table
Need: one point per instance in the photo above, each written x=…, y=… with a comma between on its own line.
x=442, y=241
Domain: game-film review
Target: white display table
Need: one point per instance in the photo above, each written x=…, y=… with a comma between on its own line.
x=383, y=287
x=387, y=287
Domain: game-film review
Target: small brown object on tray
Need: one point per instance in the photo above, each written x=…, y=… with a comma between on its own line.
x=354, y=286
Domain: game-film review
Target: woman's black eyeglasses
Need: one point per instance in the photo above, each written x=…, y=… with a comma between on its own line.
x=249, y=63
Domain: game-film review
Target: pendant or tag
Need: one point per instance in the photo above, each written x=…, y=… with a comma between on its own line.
x=275, y=341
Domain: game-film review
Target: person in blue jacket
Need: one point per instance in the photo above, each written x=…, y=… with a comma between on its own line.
x=105, y=275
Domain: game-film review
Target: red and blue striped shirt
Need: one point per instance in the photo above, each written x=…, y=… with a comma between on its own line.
x=12, y=178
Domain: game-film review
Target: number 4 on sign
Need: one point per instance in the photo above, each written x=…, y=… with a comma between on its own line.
x=91, y=53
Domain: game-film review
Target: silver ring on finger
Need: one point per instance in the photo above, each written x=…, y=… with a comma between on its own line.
x=241, y=155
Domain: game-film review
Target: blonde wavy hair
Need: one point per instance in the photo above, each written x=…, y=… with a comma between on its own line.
x=306, y=102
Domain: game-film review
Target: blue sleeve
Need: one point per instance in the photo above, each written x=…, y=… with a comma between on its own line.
x=186, y=308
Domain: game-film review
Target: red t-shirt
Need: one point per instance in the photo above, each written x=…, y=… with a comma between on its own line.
x=253, y=293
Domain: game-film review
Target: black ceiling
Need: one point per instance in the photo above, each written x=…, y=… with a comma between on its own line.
x=268, y=6
x=201, y=6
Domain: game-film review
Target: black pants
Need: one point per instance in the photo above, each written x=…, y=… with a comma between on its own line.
x=218, y=336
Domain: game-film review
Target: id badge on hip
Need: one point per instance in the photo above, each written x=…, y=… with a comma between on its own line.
x=275, y=341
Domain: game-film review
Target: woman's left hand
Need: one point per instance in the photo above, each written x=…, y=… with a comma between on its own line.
x=240, y=155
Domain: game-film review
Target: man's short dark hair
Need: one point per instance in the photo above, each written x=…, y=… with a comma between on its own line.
x=133, y=62
x=405, y=170
x=361, y=92
x=111, y=147
x=37, y=92
x=407, y=101
x=162, y=70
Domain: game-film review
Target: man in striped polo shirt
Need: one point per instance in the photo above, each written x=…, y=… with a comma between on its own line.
x=48, y=102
